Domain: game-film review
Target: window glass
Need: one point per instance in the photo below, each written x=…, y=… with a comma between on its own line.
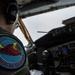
x=39, y=25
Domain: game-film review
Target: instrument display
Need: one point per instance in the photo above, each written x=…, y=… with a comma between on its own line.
x=64, y=56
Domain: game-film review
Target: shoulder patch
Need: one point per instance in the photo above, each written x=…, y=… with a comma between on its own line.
x=12, y=52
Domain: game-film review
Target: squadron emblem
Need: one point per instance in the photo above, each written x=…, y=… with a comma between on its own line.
x=12, y=53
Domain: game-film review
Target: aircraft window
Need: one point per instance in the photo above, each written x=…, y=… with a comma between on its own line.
x=40, y=25
x=20, y=35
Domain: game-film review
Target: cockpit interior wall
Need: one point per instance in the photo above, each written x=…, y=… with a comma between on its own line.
x=29, y=1
x=24, y=1
x=33, y=7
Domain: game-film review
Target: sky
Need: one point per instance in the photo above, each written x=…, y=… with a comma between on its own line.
x=45, y=22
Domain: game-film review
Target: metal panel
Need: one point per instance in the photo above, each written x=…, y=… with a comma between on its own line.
x=33, y=7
